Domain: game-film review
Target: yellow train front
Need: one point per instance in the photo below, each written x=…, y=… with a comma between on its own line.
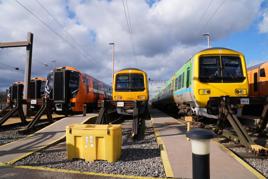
x=218, y=72
x=130, y=90
x=210, y=76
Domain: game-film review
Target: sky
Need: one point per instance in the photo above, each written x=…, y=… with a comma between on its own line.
x=157, y=36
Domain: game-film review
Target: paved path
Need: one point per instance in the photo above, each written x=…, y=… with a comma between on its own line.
x=44, y=137
x=178, y=150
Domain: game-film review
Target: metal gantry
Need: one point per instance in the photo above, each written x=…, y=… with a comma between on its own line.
x=28, y=65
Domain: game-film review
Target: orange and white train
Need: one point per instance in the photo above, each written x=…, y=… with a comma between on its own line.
x=258, y=80
x=70, y=90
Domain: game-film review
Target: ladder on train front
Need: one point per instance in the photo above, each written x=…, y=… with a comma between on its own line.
x=226, y=113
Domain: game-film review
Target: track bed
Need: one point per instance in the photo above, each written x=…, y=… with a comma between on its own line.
x=139, y=158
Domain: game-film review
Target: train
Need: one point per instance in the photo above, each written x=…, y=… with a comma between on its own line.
x=258, y=88
x=71, y=89
x=130, y=86
x=35, y=93
x=208, y=75
x=130, y=98
x=258, y=80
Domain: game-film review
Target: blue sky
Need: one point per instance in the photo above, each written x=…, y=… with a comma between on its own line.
x=249, y=41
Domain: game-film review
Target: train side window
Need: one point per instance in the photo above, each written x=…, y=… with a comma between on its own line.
x=255, y=82
x=87, y=85
x=176, y=83
x=95, y=85
x=188, y=77
x=182, y=80
x=262, y=72
x=179, y=85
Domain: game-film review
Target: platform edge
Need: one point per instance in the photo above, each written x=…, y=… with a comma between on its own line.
x=163, y=153
x=241, y=161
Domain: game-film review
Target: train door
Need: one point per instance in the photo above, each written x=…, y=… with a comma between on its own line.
x=188, y=79
x=172, y=85
x=190, y=96
x=255, y=83
x=263, y=89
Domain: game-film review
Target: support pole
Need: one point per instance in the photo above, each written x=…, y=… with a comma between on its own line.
x=84, y=109
x=28, y=69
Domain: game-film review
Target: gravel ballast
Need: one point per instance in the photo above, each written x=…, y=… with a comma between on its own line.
x=139, y=158
x=10, y=134
x=258, y=163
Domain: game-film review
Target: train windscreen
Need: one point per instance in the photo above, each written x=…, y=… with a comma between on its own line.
x=129, y=82
x=220, y=69
x=59, y=86
x=74, y=83
x=50, y=80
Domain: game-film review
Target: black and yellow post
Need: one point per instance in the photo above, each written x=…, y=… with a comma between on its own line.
x=200, y=140
x=84, y=109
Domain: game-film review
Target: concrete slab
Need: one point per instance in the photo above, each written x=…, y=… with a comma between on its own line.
x=178, y=150
x=17, y=120
x=13, y=151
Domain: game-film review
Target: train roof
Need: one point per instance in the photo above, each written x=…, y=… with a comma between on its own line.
x=67, y=68
x=39, y=78
x=218, y=48
x=131, y=69
x=256, y=66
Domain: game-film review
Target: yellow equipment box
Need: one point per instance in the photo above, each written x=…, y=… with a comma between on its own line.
x=94, y=142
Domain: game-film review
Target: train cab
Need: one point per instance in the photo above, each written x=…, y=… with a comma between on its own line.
x=71, y=90
x=130, y=86
x=63, y=84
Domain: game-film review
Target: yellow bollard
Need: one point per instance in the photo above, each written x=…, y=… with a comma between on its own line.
x=189, y=120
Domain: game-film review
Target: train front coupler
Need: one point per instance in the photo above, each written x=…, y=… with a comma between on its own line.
x=106, y=112
x=138, y=124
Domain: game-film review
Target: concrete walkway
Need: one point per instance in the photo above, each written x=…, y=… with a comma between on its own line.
x=179, y=153
x=13, y=151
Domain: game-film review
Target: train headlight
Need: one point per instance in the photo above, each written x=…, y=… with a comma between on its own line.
x=204, y=91
x=117, y=97
x=142, y=97
x=240, y=91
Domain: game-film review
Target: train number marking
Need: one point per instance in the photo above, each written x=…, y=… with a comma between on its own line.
x=244, y=101
x=33, y=101
x=120, y=104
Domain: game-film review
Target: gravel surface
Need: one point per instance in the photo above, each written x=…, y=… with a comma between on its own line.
x=10, y=133
x=139, y=158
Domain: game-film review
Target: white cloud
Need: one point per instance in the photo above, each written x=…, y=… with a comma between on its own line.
x=164, y=36
x=263, y=26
